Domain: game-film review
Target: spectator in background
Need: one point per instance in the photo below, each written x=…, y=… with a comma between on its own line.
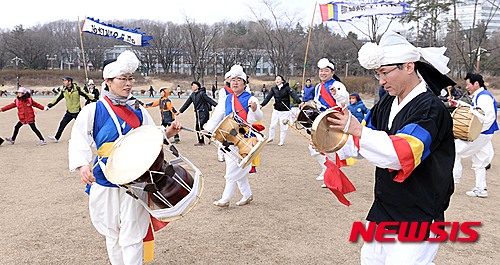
x=357, y=107
x=202, y=103
x=308, y=91
x=151, y=92
x=213, y=91
x=93, y=91
x=264, y=90
x=179, y=91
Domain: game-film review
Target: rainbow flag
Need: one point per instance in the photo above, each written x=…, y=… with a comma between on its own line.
x=326, y=12
x=343, y=11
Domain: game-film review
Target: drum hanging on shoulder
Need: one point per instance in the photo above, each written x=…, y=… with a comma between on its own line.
x=466, y=126
x=233, y=130
x=324, y=138
x=307, y=114
x=138, y=163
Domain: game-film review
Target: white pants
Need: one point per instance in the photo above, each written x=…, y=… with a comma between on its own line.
x=294, y=112
x=321, y=158
x=482, y=153
x=122, y=220
x=235, y=176
x=279, y=117
x=397, y=253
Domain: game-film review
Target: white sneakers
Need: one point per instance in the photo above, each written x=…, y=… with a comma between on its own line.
x=221, y=204
x=269, y=140
x=477, y=193
x=321, y=177
x=53, y=139
x=244, y=201
x=41, y=142
x=220, y=158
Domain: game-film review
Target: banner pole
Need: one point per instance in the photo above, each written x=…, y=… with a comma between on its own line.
x=307, y=46
x=83, y=51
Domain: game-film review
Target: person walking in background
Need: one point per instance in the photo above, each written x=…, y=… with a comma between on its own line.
x=3, y=91
x=93, y=91
x=264, y=90
x=480, y=149
x=281, y=112
x=151, y=92
x=71, y=92
x=179, y=91
x=357, y=107
x=24, y=104
x=213, y=91
x=167, y=110
x=202, y=103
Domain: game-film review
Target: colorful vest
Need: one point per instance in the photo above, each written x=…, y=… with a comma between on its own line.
x=324, y=105
x=107, y=128
x=229, y=104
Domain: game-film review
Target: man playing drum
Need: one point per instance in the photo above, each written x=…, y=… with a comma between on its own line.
x=408, y=137
x=327, y=94
x=119, y=217
x=240, y=103
x=480, y=149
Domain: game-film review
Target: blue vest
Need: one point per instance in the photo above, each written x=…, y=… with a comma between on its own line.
x=321, y=100
x=244, y=97
x=494, y=126
x=105, y=132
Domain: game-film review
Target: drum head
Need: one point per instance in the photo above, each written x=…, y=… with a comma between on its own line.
x=134, y=154
x=324, y=138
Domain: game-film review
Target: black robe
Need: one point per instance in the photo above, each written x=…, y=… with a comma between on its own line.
x=425, y=194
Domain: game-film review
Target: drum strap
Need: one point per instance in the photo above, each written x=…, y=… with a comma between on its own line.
x=327, y=96
x=238, y=108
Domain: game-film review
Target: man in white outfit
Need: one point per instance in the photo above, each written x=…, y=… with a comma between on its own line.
x=241, y=103
x=480, y=149
x=328, y=88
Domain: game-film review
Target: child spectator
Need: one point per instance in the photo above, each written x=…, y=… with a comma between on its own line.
x=24, y=104
x=357, y=107
x=167, y=110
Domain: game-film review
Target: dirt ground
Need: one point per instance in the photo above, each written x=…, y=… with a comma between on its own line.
x=44, y=211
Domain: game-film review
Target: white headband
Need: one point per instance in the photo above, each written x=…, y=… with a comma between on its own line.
x=394, y=48
x=323, y=63
x=126, y=63
x=236, y=71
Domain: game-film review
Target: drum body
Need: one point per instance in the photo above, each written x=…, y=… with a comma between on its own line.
x=307, y=114
x=324, y=138
x=466, y=126
x=230, y=131
x=168, y=189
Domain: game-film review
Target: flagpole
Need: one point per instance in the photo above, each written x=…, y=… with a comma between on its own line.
x=83, y=51
x=307, y=46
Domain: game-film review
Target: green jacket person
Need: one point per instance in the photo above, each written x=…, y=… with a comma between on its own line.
x=71, y=92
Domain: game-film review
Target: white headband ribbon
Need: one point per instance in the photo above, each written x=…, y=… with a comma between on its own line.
x=126, y=63
x=394, y=48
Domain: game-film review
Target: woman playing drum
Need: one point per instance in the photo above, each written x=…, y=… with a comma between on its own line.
x=119, y=217
x=246, y=106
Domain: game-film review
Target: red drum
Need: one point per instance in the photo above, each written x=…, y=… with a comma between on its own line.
x=168, y=189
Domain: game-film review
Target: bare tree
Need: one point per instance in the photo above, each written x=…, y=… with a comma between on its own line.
x=200, y=39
